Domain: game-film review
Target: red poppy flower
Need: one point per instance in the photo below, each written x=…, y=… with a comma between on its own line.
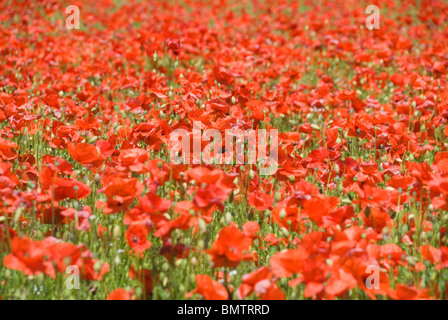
x=260, y=200
x=134, y=159
x=230, y=248
x=7, y=149
x=209, y=289
x=86, y=154
x=251, y=279
x=121, y=294
x=251, y=229
x=404, y=292
x=287, y=263
x=347, y=95
x=120, y=193
x=30, y=257
x=80, y=217
x=269, y=291
x=137, y=236
x=173, y=45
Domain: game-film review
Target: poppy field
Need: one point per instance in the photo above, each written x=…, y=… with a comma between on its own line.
x=97, y=200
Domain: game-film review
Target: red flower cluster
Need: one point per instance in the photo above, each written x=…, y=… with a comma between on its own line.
x=358, y=208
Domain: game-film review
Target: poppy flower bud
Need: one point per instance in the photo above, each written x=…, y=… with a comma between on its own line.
x=183, y=263
x=411, y=260
x=97, y=267
x=292, y=179
x=285, y=232
x=233, y=100
x=202, y=226
x=251, y=174
x=18, y=214
x=116, y=231
x=337, y=169
x=228, y=217
x=404, y=228
x=277, y=196
x=181, y=288
x=282, y=214
x=138, y=292
x=315, y=126
x=117, y=260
